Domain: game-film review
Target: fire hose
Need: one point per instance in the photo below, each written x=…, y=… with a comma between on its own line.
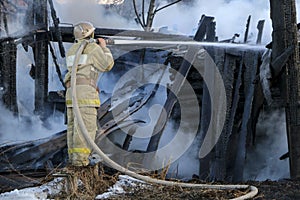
x=253, y=190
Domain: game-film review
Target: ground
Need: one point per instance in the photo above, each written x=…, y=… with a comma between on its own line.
x=125, y=189
x=268, y=190
x=118, y=187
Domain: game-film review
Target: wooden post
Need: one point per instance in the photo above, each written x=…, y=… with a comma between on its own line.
x=283, y=15
x=41, y=57
x=211, y=31
x=247, y=29
x=260, y=27
x=205, y=28
x=8, y=54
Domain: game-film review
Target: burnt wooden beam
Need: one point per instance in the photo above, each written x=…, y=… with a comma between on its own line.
x=247, y=29
x=283, y=15
x=251, y=67
x=211, y=31
x=40, y=50
x=57, y=29
x=278, y=64
x=205, y=163
x=205, y=28
x=260, y=28
x=232, y=77
x=8, y=55
x=33, y=155
x=204, y=169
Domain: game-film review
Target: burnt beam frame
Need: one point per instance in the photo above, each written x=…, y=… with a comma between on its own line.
x=8, y=55
x=283, y=15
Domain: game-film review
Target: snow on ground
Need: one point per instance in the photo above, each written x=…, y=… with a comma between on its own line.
x=118, y=187
x=33, y=193
x=57, y=185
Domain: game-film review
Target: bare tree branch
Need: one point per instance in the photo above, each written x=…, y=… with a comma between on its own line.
x=143, y=12
x=156, y=10
x=137, y=15
x=146, y=23
x=150, y=15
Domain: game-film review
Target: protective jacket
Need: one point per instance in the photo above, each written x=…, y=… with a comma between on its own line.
x=93, y=60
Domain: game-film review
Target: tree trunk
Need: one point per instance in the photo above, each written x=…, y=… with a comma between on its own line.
x=150, y=16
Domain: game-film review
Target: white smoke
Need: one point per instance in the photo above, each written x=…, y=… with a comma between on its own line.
x=230, y=17
x=26, y=126
x=14, y=129
x=271, y=143
x=74, y=11
x=15, y=16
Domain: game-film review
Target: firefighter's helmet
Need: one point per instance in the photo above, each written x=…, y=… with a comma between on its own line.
x=83, y=30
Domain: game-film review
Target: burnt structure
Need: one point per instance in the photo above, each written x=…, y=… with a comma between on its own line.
x=36, y=14
x=283, y=14
x=239, y=65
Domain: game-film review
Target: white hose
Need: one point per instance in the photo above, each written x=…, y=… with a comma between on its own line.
x=253, y=190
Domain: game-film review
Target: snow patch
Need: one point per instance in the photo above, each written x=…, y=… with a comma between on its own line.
x=35, y=193
x=118, y=188
x=124, y=185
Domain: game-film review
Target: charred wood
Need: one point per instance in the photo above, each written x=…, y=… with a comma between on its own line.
x=283, y=15
x=41, y=59
x=245, y=131
x=8, y=75
x=247, y=29
x=260, y=27
x=57, y=29
x=205, y=28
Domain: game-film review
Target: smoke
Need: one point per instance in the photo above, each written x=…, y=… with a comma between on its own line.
x=26, y=125
x=188, y=164
x=14, y=129
x=230, y=17
x=74, y=11
x=15, y=16
x=271, y=143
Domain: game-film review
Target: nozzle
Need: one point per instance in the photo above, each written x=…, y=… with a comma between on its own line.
x=108, y=41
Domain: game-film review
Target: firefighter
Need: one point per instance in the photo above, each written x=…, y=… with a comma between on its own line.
x=95, y=58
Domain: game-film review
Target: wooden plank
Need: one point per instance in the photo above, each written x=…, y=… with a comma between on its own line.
x=251, y=66
x=260, y=27
x=247, y=29
x=232, y=85
x=283, y=15
x=218, y=54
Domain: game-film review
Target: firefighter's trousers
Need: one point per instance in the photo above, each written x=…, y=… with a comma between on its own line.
x=78, y=149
